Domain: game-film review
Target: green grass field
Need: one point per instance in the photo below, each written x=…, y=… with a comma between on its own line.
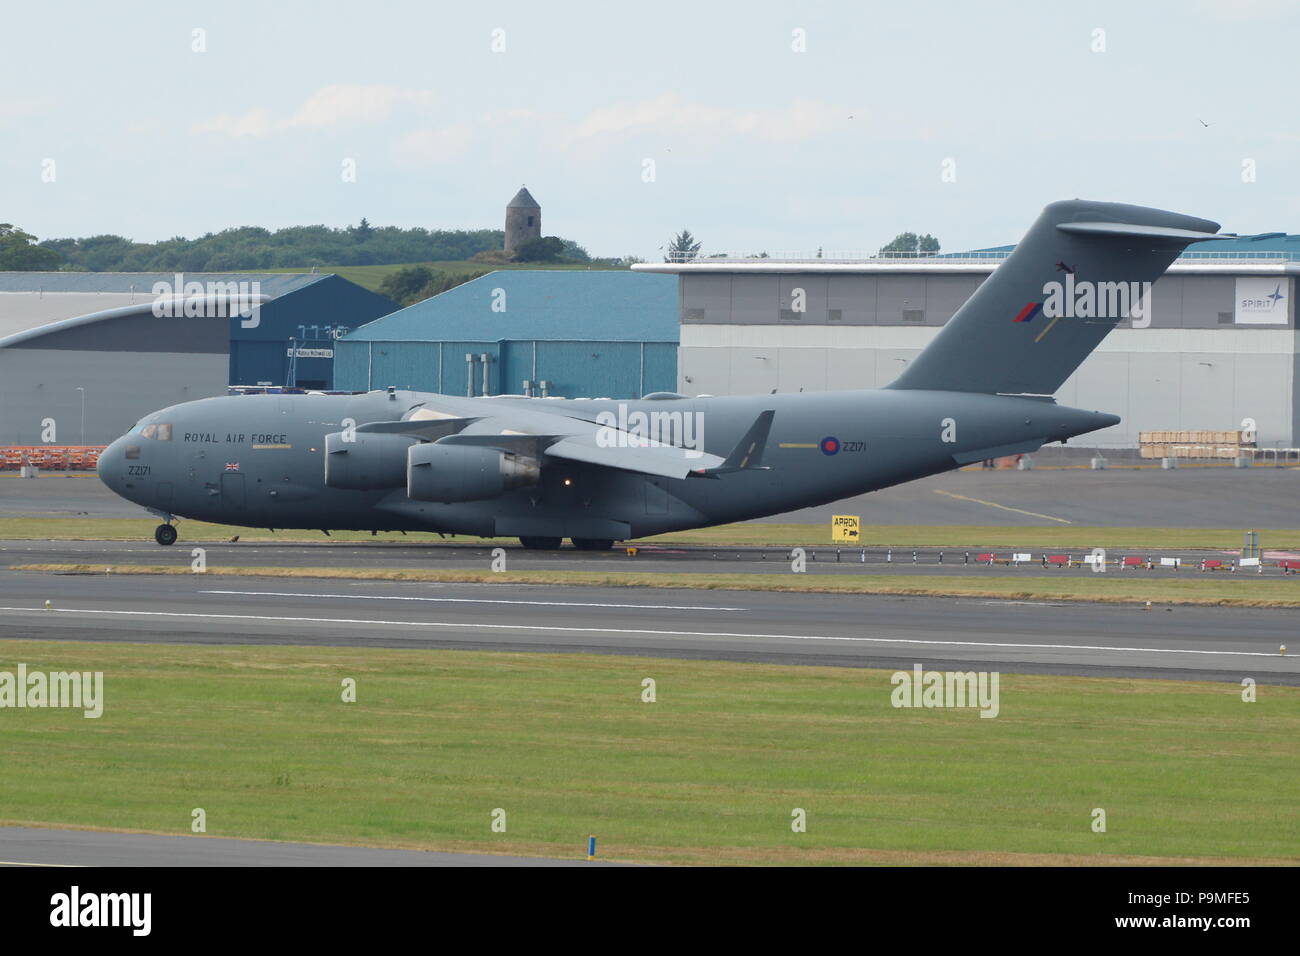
x=259, y=738
x=1191, y=588
x=752, y=533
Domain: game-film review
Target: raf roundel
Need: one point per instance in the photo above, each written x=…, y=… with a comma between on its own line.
x=829, y=445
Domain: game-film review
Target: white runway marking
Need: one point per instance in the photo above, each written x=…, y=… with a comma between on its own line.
x=61, y=866
x=445, y=600
x=615, y=630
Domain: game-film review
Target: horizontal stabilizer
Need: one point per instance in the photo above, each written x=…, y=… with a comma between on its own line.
x=1130, y=231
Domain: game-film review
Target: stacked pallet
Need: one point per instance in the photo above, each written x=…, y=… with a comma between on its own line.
x=1192, y=444
x=51, y=457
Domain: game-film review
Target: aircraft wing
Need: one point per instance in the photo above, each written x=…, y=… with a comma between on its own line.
x=664, y=461
x=574, y=439
x=547, y=434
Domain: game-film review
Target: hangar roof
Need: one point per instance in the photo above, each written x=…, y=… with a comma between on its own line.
x=555, y=305
x=1264, y=254
x=30, y=300
x=273, y=283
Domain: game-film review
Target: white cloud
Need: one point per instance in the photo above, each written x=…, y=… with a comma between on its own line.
x=343, y=105
x=425, y=146
x=12, y=108
x=337, y=106
x=666, y=115
x=1246, y=10
x=255, y=123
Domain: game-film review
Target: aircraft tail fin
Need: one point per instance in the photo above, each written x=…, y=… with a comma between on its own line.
x=1081, y=269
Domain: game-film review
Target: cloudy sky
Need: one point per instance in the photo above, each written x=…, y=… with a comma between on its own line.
x=758, y=125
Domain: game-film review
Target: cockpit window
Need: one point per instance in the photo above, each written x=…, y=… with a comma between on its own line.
x=164, y=433
x=157, y=432
x=149, y=431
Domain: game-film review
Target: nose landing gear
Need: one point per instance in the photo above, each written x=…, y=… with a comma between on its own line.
x=165, y=534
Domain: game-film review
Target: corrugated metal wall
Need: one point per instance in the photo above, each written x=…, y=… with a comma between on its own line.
x=574, y=369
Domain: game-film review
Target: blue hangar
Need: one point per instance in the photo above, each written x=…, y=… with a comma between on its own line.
x=546, y=333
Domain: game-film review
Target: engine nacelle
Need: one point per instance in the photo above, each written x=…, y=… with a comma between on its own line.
x=369, y=462
x=437, y=472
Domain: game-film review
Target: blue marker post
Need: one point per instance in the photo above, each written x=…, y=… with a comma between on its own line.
x=591, y=848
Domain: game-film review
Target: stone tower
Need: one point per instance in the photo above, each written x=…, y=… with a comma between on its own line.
x=523, y=220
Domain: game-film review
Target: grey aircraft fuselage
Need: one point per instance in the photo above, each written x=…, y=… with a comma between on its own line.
x=258, y=460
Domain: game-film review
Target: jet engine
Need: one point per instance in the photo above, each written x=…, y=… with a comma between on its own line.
x=438, y=472
x=368, y=462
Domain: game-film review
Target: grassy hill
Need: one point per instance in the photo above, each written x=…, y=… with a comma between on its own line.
x=371, y=277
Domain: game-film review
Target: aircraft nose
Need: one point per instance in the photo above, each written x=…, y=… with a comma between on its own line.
x=111, y=460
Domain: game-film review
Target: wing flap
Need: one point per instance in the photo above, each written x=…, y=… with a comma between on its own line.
x=664, y=461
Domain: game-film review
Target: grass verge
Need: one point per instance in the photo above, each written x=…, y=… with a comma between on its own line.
x=710, y=773
x=754, y=534
x=1114, y=588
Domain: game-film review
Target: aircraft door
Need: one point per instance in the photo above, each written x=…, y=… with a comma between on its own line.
x=656, y=496
x=232, y=490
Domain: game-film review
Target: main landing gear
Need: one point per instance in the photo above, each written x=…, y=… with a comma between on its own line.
x=546, y=543
x=165, y=534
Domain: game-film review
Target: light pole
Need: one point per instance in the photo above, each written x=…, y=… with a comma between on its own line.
x=82, y=390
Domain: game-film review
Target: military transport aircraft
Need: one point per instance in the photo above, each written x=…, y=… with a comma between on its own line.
x=598, y=471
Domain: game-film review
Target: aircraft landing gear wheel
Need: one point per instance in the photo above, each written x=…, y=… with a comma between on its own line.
x=535, y=543
x=164, y=534
x=593, y=544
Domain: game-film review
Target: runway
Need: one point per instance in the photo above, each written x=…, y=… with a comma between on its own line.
x=24, y=846
x=1207, y=643
x=398, y=556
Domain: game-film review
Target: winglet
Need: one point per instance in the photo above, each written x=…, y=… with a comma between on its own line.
x=748, y=453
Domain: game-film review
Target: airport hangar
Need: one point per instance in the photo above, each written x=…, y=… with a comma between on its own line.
x=90, y=340
x=551, y=333
x=1211, y=357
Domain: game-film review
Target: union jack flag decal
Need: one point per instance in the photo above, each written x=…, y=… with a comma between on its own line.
x=232, y=466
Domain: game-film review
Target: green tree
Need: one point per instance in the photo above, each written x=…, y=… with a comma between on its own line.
x=543, y=249
x=19, y=252
x=910, y=244
x=404, y=285
x=571, y=250
x=683, y=248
